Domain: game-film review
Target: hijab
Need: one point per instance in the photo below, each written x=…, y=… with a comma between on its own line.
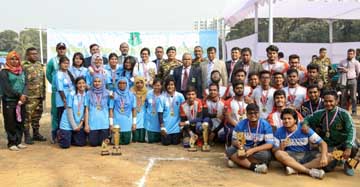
x=139, y=93
x=17, y=69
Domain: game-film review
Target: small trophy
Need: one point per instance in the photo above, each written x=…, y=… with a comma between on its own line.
x=105, y=147
x=206, y=146
x=353, y=163
x=192, y=141
x=240, y=137
x=116, y=134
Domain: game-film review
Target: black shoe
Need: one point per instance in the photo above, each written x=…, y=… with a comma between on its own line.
x=27, y=138
x=39, y=137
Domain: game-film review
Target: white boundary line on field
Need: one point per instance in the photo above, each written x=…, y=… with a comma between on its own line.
x=142, y=181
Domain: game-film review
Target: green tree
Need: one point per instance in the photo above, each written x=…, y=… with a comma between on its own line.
x=9, y=40
x=30, y=38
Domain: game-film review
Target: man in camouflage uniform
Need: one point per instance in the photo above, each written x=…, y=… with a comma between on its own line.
x=198, y=53
x=35, y=92
x=326, y=70
x=167, y=66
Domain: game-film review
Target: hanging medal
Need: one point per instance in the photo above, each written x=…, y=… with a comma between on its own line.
x=122, y=105
x=328, y=125
x=263, y=99
x=317, y=107
x=80, y=101
x=287, y=139
x=153, y=105
x=292, y=96
x=241, y=110
x=138, y=104
x=254, y=137
x=98, y=101
x=171, y=104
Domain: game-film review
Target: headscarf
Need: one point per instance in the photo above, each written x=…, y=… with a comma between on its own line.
x=122, y=92
x=93, y=66
x=140, y=93
x=13, y=69
x=102, y=90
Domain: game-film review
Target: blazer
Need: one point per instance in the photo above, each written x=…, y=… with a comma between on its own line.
x=218, y=65
x=254, y=67
x=87, y=62
x=228, y=67
x=193, y=80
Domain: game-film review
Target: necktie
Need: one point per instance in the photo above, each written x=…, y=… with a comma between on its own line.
x=185, y=80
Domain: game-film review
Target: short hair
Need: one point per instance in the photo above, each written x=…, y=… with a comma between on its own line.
x=279, y=73
x=313, y=66
x=171, y=48
x=264, y=72
x=281, y=55
x=246, y=49
x=322, y=49
x=80, y=55
x=113, y=55
x=272, y=48
x=290, y=111
x=168, y=80
x=156, y=80
x=30, y=49
x=351, y=50
x=330, y=92
x=294, y=56
x=190, y=88
x=312, y=86
x=159, y=47
x=290, y=71
x=279, y=92
x=253, y=74
x=237, y=82
x=145, y=49
x=198, y=46
x=252, y=106
x=214, y=84
x=240, y=70
x=63, y=59
x=93, y=45
x=211, y=49
x=235, y=49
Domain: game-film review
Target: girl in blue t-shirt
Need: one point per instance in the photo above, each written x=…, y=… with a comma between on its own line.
x=77, y=69
x=128, y=68
x=72, y=120
x=140, y=92
x=98, y=115
x=113, y=70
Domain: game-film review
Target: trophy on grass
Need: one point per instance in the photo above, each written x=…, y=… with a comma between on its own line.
x=116, y=135
x=353, y=163
x=105, y=147
x=240, y=137
x=206, y=146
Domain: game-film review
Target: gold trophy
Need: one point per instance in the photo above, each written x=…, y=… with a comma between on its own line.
x=240, y=137
x=353, y=163
x=105, y=147
x=192, y=141
x=116, y=135
x=206, y=146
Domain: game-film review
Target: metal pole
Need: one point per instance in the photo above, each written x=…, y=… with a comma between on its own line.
x=330, y=22
x=256, y=29
x=41, y=47
x=270, y=22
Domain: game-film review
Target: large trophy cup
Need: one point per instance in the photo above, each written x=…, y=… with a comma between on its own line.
x=116, y=135
x=240, y=137
x=206, y=146
x=352, y=162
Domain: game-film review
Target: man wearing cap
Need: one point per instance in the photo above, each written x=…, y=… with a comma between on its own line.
x=51, y=69
x=94, y=49
x=167, y=66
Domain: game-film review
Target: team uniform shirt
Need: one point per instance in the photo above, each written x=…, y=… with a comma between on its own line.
x=247, y=91
x=274, y=119
x=140, y=114
x=123, y=106
x=298, y=141
x=78, y=72
x=259, y=135
x=129, y=77
x=151, y=116
x=237, y=109
x=77, y=103
x=64, y=84
x=215, y=108
x=308, y=108
x=90, y=80
x=170, y=107
x=264, y=99
x=113, y=76
x=147, y=70
x=295, y=96
x=99, y=116
x=279, y=66
x=190, y=112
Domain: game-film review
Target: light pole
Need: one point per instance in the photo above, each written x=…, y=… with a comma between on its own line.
x=40, y=38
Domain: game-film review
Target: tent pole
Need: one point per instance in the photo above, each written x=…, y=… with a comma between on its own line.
x=41, y=46
x=270, y=22
x=330, y=22
x=256, y=29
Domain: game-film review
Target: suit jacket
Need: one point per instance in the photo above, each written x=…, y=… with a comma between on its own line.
x=157, y=63
x=228, y=67
x=193, y=80
x=122, y=58
x=218, y=65
x=254, y=67
x=87, y=62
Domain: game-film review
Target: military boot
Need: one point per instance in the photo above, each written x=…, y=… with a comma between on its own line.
x=27, y=137
x=37, y=136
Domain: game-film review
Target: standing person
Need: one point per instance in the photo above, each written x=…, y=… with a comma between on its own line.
x=64, y=82
x=313, y=77
x=314, y=103
x=230, y=64
x=96, y=67
x=77, y=69
x=187, y=75
x=159, y=53
x=273, y=64
x=72, y=124
x=168, y=108
x=349, y=69
x=145, y=68
x=211, y=65
x=98, y=113
x=152, y=124
x=51, y=70
x=247, y=64
x=124, y=50
x=259, y=141
x=140, y=91
x=292, y=147
x=215, y=77
x=278, y=80
x=296, y=94
x=336, y=127
x=294, y=62
x=128, y=68
x=325, y=67
x=263, y=94
x=13, y=99
x=198, y=54
x=168, y=65
x=35, y=92
x=113, y=72
x=94, y=49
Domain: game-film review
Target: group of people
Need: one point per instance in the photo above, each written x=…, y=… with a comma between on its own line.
x=285, y=110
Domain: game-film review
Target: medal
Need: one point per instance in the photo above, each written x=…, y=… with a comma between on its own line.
x=122, y=105
x=171, y=103
x=327, y=134
x=287, y=141
x=122, y=109
x=254, y=137
x=172, y=113
x=98, y=101
x=264, y=109
x=153, y=113
x=264, y=99
x=78, y=113
x=98, y=107
x=328, y=125
x=80, y=101
x=292, y=96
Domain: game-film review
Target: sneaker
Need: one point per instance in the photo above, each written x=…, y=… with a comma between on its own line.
x=317, y=173
x=231, y=164
x=14, y=148
x=261, y=168
x=348, y=170
x=290, y=170
x=22, y=146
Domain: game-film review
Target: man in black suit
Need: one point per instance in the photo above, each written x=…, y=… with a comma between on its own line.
x=247, y=64
x=159, y=52
x=230, y=64
x=94, y=49
x=187, y=75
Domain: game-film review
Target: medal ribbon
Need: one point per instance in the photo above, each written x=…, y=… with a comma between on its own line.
x=80, y=101
x=292, y=96
x=317, y=107
x=241, y=107
x=328, y=125
x=171, y=102
x=264, y=98
x=257, y=131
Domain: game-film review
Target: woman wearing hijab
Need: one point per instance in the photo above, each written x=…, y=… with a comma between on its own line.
x=124, y=110
x=96, y=68
x=97, y=110
x=12, y=86
x=140, y=92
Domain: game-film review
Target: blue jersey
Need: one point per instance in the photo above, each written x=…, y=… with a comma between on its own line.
x=99, y=116
x=151, y=116
x=89, y=78
x=63, y=83
x=123, y=106
x=77, y=103
x=170, y=107
x=299, y=142
x=264, y=134
x=112, y=76
x=78, y=72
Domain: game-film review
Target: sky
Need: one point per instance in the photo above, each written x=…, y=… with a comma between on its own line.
x=110, y=15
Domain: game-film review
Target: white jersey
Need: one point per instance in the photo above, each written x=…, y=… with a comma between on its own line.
x=295, y=96
x=264, y=99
